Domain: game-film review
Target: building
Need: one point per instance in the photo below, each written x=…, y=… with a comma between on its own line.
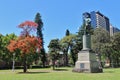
x=98, y=20
x=113, y=30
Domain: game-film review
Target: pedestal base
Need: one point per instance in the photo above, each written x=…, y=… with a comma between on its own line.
x=87, y=62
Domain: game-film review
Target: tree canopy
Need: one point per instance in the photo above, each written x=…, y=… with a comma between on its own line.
x=54, y=48
x=26, y=43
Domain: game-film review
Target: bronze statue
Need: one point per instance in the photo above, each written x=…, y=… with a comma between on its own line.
x=87, y=25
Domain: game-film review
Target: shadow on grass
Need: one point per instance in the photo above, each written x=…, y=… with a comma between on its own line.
x=32, y=72
x=61, y=70
x=109, y=72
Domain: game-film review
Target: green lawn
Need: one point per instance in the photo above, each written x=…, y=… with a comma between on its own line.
x=59, y=74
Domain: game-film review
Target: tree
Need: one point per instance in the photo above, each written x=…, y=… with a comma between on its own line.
x=27, y=26
x=75, y=47
x=26, y=43
x=38, y=20
x=54, y=48
x=111, y=50
x=69, y=43
x=5, y=53
x=67, y=32
x=1, y=47
x=107, y=53
x=65, y=48
x=115, y=41
x=99, y=38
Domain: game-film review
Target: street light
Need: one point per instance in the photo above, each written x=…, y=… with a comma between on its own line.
x=13, y=66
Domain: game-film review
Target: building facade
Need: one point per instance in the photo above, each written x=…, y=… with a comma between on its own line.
x=113, y=30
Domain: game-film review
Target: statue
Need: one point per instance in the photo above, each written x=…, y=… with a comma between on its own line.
x=86, y=35
x=87, y=61
x=87, y=22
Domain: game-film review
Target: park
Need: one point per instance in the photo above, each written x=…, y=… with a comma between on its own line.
x=58, y=44
x=27, y=48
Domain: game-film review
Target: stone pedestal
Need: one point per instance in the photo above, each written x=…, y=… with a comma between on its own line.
x=87, y=62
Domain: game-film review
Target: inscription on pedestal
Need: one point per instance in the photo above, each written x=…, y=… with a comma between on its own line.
x=82, y=65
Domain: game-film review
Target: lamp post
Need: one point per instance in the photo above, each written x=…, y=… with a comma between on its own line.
x=13, y=66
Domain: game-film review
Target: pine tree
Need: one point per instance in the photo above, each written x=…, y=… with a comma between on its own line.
x=38, y=20
x=67, y=32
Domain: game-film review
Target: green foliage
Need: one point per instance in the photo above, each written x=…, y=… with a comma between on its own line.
x=66, y=42
x=67, y=39
x=115, y=49
x=100, y=38
x=54, y=48
x=107, y=47
x=38, y=20
x=4, y=52
x=1, y=46
x=116, y=39
x=72, y=43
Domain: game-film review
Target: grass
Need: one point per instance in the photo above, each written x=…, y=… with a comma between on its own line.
x=59, y=74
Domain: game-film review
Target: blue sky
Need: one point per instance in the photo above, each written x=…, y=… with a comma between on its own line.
x=57, y=15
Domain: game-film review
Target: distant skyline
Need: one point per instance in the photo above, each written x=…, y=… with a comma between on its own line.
x=57, y=15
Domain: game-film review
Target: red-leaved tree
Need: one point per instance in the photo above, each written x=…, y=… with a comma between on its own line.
x=26, y=43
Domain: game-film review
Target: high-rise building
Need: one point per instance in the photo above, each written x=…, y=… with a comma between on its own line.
x=98, y=20
x=113, y=30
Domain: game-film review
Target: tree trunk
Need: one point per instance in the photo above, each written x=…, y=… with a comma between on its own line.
x=74, y=60
x=53, y=63
x=43, y=60
x=24, y=65
x=117, y=61
x=100, y=60
x=65, y=59
x=110, y=61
